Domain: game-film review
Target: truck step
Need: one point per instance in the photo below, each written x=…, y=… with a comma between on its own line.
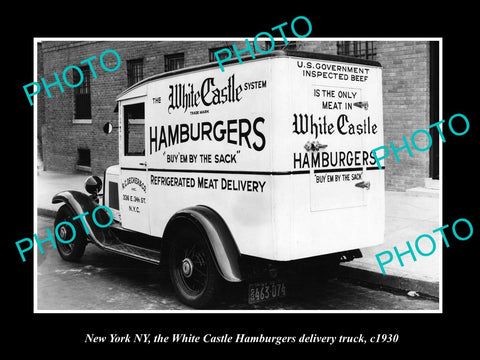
x=136, y=252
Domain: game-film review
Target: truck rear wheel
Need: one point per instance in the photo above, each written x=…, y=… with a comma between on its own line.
x=192, y=270
x=74, y=250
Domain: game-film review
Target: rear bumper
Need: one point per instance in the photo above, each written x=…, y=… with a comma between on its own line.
x=256, y=269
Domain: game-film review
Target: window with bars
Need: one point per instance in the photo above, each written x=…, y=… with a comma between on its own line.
x=280, y=45
x=222, y=55
x=82, y=100
x=134, y=71
x=359, y=49
x=174, y=62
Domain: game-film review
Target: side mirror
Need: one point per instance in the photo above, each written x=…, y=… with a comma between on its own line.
x=107, y=128
x=93, y=184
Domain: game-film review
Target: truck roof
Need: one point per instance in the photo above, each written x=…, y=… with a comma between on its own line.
x=275, y=53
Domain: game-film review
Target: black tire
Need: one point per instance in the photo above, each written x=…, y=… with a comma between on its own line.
x=75, y=249
x=192, y=269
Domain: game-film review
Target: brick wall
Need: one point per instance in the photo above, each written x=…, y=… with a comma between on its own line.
x=405, y=108
x=405, y=89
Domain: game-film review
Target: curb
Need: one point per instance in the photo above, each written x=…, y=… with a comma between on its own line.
x=390, y=281
x=398, y=283
x=46, y=212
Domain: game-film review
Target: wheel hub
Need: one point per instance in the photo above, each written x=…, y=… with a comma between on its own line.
x=187, y=267
x=63, y=232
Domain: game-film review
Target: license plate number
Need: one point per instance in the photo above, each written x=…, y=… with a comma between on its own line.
x=260, y=292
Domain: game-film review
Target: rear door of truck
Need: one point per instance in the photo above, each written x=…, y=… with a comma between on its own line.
x=337, y=120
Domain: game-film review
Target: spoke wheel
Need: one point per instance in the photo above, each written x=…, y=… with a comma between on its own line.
x=73, y=250
x=65, y=232
x=192, y=270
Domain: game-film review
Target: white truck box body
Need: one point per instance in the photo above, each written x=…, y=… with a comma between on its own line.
x=279, y=200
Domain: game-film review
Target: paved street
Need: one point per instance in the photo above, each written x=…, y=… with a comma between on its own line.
x=105, y=281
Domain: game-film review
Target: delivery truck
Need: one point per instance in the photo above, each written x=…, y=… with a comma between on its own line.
x=237, y=176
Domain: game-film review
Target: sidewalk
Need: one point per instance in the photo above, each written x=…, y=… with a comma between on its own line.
x=408, y=215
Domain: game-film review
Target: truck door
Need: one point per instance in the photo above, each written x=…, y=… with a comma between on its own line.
x=133, y=166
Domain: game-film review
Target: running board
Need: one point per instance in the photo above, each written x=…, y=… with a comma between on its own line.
x=136, y=252
x=110, y=241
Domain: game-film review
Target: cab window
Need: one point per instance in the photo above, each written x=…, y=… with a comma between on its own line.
x=134, y=125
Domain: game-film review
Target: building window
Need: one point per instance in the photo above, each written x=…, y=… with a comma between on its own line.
x=134, y=71
x=83, y=159
x=359, y=49
x=174, y=62
x=134, y=124
x=83, y=107
x=280, y=45
x=222, y=55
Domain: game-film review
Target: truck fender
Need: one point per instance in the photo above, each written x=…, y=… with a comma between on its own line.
x=81, y=203
x=220, y=241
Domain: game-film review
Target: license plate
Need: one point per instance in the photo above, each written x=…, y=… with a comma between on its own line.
x=259, y=292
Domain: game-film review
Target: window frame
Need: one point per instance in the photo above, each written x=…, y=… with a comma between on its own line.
x=84, y=154
x=357, y=49
x=174, y=57
x=212, y=51
x=134, y=76
x=132, y=121
x=83, y=90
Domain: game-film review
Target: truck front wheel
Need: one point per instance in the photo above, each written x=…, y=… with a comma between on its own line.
x=192, y=269
x=73, y=250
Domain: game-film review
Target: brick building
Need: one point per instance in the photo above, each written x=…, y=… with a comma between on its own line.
x=70, y=123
